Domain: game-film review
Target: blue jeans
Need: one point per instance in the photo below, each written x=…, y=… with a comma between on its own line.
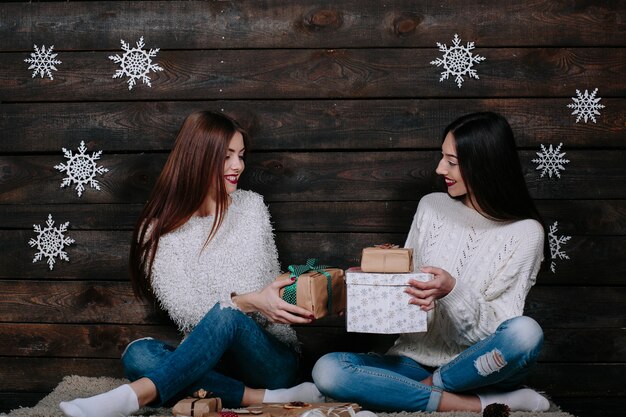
x=392, y=383
x=224, y=353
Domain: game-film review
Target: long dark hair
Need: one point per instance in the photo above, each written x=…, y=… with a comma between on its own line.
x=194, y=169
x=491, y=169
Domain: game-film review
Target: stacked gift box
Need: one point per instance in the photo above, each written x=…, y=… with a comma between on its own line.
x=376, y=297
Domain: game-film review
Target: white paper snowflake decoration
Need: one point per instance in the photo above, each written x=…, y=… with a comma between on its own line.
x=81, y=169
x=556, y=243
x=551, y=161
x=457, y=60
x=586, y=106
x=43, y=61
x=50, y=242
x=135, y=63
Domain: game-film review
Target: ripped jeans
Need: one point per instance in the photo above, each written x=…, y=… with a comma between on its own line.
x=392, y=383
x=225, y=352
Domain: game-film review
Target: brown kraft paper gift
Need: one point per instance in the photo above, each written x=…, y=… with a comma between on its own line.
x=312, y=291
x=196, y=407
x=387, y=260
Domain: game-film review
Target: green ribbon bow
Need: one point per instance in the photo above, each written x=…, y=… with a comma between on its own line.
x=289, y=294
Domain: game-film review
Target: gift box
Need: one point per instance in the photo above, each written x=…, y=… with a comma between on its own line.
x=318, y=288
x=197, y=407
x=299, y=409
x=377, y=303
x=387, y=258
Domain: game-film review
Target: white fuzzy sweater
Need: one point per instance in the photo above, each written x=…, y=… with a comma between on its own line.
x=494, y=264
x=188, y=278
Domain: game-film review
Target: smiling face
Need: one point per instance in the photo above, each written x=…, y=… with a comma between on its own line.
x=449, y=168
x=234, y=162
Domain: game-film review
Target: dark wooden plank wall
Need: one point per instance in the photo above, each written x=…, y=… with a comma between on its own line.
x=346, y=111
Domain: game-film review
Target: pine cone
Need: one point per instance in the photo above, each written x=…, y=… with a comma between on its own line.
x=497, y=410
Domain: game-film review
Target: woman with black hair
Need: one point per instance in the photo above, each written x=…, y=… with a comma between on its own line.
x=483, y=243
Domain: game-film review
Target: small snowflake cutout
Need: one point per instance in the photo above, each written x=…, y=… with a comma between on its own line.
x=50, y=242
x=556, y=246
x=551, y=161
x=43, y=61
x=586, y=106
x=81, y=169
x=135, y=63
x=457, y=60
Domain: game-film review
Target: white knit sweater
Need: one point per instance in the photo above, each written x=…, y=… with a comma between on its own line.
x=188, y=278
x=494, y=264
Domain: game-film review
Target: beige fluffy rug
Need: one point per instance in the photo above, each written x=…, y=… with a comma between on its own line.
x=78, y=386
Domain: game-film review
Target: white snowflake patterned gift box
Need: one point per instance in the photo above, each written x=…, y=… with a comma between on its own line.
x=377, y=303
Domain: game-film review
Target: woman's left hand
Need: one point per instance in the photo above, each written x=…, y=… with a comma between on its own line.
x=424, y=294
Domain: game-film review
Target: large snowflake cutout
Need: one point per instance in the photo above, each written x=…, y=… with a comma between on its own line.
x=556, y=245
x=43, y=61
x=551, y=161
x=586, y=106
x=81, y=169
x=135, y=63
x=50, y=242
x=457, y=60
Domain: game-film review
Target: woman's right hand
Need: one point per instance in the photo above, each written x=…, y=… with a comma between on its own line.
x=268, y=302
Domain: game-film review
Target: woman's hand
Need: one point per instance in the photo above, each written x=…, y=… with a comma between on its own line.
x=268, y=302
x=424, y=294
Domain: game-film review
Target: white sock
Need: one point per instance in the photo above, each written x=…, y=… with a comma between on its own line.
x=524, y=399
x=122, y=401
x=305, y=392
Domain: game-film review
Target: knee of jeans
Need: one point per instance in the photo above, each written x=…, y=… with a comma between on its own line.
x=224, y=313
x=526, y=333
x=329, y=372
x=135, y=358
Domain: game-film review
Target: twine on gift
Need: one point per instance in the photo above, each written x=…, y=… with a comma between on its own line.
x=289, y=293
x=324, y=411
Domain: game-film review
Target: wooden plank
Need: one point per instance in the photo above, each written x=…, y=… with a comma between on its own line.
x=559, y=379
x=319, y=74
x=298, y=124
x=81, y=216
x=103, y=255
x=74, y=302
x=43, y=374
x=579, y=217
x=312, y=24
x=130, y=179
x=569, y=307
x=95, y=255
x=308, y=176
x=109, y=341
x=560, y=345
x=13, y=400
x=589, y=217
x=592, y=406
x=584, y=345
x=113, y=303
x=77, y=340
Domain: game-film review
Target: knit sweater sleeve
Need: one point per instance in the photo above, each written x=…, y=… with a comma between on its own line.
x=476, y=311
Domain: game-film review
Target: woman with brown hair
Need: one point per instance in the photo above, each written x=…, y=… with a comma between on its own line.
x=205, y=251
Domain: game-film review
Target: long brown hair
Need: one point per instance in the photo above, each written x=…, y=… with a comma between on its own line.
x=194, y=169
